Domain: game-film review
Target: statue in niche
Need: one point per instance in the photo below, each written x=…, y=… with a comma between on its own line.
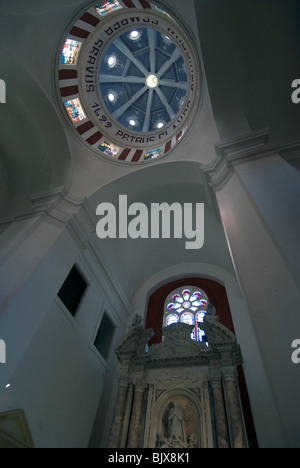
x=177, y=432
x=192, y=441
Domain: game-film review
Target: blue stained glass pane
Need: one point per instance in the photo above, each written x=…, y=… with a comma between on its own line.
x=172, y=319
x=107, y=6
x=196, y=296
x=201, y=334
x=188, y=318
x=186, y=294
x=177, y=298
x=200, y=316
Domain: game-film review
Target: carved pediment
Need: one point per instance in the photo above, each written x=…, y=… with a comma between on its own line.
x=134, y=343
x=216, y=333
x=177, y=343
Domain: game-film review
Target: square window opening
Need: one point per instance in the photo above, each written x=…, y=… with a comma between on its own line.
x=104, y=336
x=72, y=291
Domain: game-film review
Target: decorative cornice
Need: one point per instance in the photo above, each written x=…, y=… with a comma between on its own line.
x=229, y=374
x=178, y=349
x=247, y=148
x=57, y=205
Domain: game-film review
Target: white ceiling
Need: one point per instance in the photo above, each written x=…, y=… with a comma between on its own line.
x=243, y=50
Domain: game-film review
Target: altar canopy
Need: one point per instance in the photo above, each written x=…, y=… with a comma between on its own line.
x=179, y=393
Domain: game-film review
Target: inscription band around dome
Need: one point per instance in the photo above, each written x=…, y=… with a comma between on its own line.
x=83, y=53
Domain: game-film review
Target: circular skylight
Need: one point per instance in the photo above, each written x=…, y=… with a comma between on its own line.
x=150, y=79
x=129, y=80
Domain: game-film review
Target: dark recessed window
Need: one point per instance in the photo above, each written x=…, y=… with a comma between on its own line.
x=72, y=290
x=104, y=336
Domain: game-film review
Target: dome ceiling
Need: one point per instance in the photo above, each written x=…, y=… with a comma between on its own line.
x=129, y=80
x=143, y=80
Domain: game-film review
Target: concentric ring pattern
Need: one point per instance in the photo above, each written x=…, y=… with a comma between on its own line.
x=129, y=80
x=143, y=80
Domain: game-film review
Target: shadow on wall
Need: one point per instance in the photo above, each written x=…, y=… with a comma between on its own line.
x=34, y=154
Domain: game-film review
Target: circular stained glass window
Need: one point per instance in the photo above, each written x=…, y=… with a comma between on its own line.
x=129, y=80
x=187, y=305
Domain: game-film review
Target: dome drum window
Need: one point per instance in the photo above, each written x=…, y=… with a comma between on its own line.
x=130, y=58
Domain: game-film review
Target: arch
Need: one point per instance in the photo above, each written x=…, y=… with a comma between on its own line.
x=34, y=149
x=214, y=290
x=188, y=403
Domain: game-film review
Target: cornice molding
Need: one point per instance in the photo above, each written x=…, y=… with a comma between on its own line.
x=58, y=205
x=244, y=149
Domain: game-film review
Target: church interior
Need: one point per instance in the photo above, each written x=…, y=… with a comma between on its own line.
x=121, y=331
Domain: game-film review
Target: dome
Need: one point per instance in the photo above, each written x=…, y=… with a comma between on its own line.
x=129, y=80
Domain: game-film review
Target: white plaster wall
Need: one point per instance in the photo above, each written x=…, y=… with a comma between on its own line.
x=274, y=186
x=272, y=297
x=55, y=373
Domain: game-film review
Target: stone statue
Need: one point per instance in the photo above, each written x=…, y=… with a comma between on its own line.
x=177, y=432
x=192, y=441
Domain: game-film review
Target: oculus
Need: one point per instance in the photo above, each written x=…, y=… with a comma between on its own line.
x=129, y=58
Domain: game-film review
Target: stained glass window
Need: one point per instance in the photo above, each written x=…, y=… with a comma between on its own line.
x=109, y=148
x=107, y=7
x=189, y=319
x=75, y=110
x=153, y=154
x=187, y=305
x=173, y=318
x=70, y=52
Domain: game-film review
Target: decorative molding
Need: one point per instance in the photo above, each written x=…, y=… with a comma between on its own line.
x=247, y=148
x=178, y=348
x=230, y=374
x=56, y=205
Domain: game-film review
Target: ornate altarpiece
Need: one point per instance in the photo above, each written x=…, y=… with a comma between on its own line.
x=179, y=393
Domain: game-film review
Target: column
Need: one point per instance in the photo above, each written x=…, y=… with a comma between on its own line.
x=234, y=410
x=119, y=414
x=258, y=195
x=135, y=422
x=220, y=412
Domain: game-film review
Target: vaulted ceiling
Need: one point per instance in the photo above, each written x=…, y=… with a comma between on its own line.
x=249, y=57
